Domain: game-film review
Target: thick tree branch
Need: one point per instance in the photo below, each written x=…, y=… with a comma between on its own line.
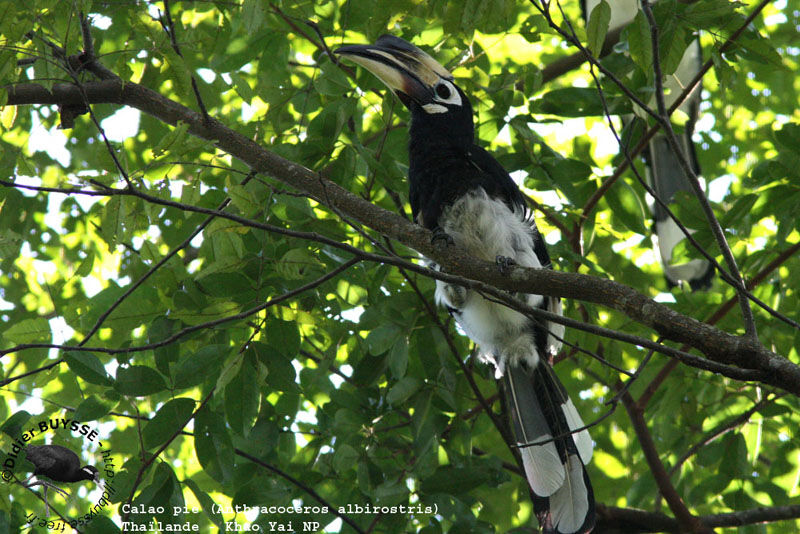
x=721, y=312
x=687, y=521
x=612, y=520
x=715, y=344
x=488, y=290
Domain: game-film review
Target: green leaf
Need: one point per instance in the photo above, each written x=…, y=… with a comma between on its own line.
x=578, y=102
x=36, y=330
x=85, y=268
x=332, y=81
x=283, y=336
x=175, y=137
x=229, y=371
x=242, y=198
x=398, y=357
x=453, y=480
x=87, y=366
x=253, y=14
x=758, y=49
x=194, y=368
x=345, y=458
x=208, y=504
x=382, y=338
x=672, y=45
x=91, y=409
x=597, y=28
x=163, y=493
x=705, y=13
x=734, y=458
x=168, y=420
x=242, y=86
x=12, y=426
x=627, y=207
x=242, y=396
x=161, y=329
x=139, y=381
x=369, y=369
x=213, y=445
x=295, y=264
x=788, y=136
x=640, y=44
x=740, y=209
x=402, y=390
x=101, y=524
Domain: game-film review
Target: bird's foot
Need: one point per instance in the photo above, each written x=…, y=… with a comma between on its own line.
x=63, y=492
x=504, y=263
x=440, y=235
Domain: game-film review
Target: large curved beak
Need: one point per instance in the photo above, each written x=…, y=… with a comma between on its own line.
x=403, y=67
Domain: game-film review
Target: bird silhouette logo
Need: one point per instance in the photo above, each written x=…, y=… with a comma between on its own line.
x=56, y=463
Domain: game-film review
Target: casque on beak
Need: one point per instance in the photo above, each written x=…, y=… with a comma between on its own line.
x=404, y=68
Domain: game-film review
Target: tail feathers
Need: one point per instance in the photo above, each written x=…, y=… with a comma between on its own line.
x=543, y=415
x=544, y=468
x=667, y=178
x=571, y=508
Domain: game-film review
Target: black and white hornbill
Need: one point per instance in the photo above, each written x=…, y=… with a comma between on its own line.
x=58, y=464
x=664, y=172
x=461, y=193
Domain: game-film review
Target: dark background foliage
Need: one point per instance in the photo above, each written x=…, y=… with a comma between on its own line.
x=231, y=363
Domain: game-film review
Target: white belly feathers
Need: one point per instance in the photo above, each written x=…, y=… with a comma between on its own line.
x=487, y=228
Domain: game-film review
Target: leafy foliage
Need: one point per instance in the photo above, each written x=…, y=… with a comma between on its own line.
x=220, y=362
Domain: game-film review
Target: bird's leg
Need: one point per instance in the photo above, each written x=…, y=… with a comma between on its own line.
x=504, y=263
x=63, y=492
x=441, y=235
x=453, y=295
x=46, y=485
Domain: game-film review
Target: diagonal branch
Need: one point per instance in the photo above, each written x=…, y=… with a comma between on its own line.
x=613, y=519
x=716, y=228
x=687, y=521
x=488, y=290
x=715, y=344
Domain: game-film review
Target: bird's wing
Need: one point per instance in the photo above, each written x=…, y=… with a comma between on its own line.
x=496, y=180
x=41, y=456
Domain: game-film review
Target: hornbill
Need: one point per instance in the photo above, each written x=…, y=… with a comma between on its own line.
x=461, y=193
x=59, y=464
x=664, y=172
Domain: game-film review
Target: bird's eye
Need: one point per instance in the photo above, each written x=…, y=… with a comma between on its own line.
x=442, y=91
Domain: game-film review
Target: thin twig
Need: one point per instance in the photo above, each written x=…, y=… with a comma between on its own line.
x=722, y=429
x=170, y=29
x=303, y=486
